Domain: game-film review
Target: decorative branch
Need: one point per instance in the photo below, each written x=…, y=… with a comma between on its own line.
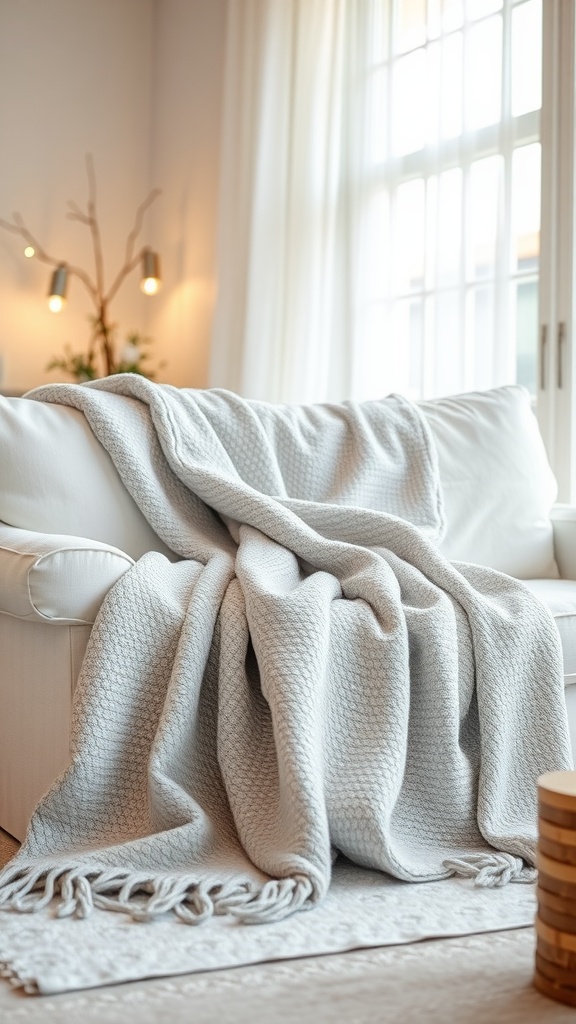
x=101, y=340
x=131, y=261
x=18, y=227
x=95, y=230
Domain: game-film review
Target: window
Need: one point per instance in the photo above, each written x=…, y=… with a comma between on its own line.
x=451, y=219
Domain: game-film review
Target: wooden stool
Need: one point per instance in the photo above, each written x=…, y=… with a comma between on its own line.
x=555, y=972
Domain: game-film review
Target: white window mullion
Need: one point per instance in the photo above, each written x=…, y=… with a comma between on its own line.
x=466, y=292
x=504, y=349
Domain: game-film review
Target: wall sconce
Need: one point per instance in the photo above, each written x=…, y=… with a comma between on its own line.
x=150, y=282
x=57, y=292
x=100, y=358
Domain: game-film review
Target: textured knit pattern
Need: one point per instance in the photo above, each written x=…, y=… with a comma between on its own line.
x=312, y=677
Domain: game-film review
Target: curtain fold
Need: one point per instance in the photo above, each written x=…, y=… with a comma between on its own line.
x=283, y=319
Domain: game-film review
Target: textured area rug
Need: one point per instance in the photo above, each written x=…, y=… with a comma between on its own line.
x=363, y=909
x=477, y=979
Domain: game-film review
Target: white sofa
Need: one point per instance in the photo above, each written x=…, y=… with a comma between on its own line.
x=69, y=530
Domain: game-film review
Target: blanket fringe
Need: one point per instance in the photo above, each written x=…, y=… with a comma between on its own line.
x=11, y=974
x=491, y=870
x=78, y=889
x=145, y=897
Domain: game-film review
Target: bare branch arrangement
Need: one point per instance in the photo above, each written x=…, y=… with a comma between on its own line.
x=100, y=358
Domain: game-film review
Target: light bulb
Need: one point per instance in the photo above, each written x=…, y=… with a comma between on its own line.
x=56, y=303
x=149, y=285
x=29, y=252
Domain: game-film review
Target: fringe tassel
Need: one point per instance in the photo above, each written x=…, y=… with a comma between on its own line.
x=78, y=889
x=145, y=897
x=10, y=973
x=276, y=900
x=492, y=870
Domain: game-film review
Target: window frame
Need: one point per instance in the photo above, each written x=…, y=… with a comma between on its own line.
x=462, y=152
x=557, y=308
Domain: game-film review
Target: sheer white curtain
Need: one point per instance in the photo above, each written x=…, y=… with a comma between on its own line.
x=283, y=315
x=380, y=198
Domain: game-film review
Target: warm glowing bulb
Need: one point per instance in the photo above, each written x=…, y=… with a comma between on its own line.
x=29, y=251
x=150, y=285
x=56, y=303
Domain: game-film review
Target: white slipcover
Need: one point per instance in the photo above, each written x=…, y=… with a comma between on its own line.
x=57, y=478
x=58, y=578
x=39, y=663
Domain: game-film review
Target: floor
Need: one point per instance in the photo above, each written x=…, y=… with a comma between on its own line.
x=478, y=979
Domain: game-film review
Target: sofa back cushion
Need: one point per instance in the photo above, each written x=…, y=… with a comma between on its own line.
x=55, y=477
x=497, y=484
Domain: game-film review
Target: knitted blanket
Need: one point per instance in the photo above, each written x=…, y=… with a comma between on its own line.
x=312, y=678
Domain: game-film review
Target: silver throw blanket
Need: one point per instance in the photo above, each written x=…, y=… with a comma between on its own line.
x=313, y=678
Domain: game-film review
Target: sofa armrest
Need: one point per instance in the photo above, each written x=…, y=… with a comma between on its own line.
x=564, y=525
x=55, y=578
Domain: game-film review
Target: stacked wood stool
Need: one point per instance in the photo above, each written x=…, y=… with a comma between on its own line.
x=555, y=973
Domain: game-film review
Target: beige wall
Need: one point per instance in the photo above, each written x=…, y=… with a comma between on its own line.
x=138, y=84
x=185, y=144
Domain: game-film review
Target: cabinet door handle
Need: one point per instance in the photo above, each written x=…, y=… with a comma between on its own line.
x=560, y=353
x=543, y=344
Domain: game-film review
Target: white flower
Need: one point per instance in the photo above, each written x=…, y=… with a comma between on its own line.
x=130, y=353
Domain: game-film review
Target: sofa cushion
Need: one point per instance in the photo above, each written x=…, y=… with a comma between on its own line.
x=48, y=577
x=57, y=478
x=497, y=484
x=560, y=596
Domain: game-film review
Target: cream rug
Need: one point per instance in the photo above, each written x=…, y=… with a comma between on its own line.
x=362, y=909
x=477, y=979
